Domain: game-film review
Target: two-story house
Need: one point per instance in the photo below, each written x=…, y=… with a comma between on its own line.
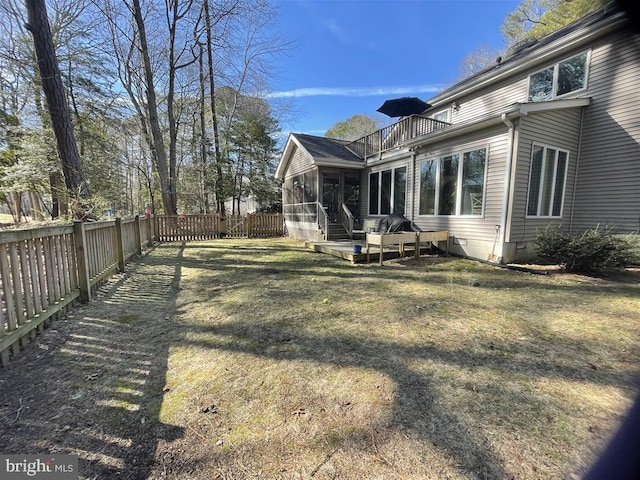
x=549, y=134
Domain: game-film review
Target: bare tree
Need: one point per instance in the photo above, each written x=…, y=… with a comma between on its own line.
x=474, y=61
x=219, y=185
x=158, y=147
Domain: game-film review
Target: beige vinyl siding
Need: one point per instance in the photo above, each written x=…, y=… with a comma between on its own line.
x=299, y=162
x=364, y=194
x=490, y=100
x=508, y=92
x=556, y=129
x=608, y=190
x=482, y=228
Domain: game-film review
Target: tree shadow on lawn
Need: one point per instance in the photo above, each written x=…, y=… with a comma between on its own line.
x=242, y=262
x=92, y=385
x=417, y=408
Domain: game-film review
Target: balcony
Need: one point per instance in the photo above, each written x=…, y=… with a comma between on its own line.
x=395, y=135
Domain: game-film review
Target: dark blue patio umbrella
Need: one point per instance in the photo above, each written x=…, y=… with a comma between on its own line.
x=401, y=107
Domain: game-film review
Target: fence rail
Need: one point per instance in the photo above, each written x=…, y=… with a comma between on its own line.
x=44, y=270
x=265, y=225
x=181, y=228
x=38, y=279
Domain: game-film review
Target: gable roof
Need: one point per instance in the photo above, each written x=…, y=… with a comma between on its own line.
x=523, y=56
x=323, y=151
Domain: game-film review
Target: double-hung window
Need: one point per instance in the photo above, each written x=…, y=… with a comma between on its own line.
x=388, y=191
x=453, y=184
x=564, y=77
x=547, y=181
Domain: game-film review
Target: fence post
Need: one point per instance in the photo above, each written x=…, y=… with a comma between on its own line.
x=223, y=226
x=82, y=262
x=156, y=227
x=136, y=220
x=119, y=244
x=248, y=225
x=150, y=221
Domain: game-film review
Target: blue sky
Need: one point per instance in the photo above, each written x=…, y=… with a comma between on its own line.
x=352, y=55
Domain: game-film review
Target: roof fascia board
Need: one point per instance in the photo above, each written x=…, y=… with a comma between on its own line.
x=345, y=164
x=284, y=160
x=568, y=42
x=394, y=155
x=530, y=107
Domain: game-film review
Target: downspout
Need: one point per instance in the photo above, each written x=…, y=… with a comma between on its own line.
x=575, y=178
x=507, y=189
x=413, y=186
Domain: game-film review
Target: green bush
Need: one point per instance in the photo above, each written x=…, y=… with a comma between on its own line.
x=594, y=250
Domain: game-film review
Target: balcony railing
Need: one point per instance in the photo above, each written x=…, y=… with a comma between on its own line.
x=394, y=135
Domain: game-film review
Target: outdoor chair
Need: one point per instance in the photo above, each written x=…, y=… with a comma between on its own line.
x=476, y=203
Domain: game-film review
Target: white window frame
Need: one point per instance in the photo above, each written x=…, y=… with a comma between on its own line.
x=553, y=181
x=556, y=70
x=460, y=152
x=393, y=188
x=446, y=111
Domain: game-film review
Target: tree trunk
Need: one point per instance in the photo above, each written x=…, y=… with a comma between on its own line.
x=159, y=152
x=15, y=206
x=203, y=133
x=56, y=103
x=171, y=118
x=36, y=207
x=219, y=188
x=58, y=202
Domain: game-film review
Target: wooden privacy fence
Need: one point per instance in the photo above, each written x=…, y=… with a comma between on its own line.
x=38, y=276
x=177, y=228
x=173, y=228
x=44, y=270
x=265, y=225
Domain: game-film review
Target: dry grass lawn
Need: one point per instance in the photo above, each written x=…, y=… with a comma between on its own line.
x=290, y=364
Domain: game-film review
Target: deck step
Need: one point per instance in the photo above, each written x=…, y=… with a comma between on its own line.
x=337, y=232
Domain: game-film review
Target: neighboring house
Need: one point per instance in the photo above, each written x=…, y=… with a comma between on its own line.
x=548, y=135
x=247, y=205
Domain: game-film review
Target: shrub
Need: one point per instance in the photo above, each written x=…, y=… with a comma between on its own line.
x=594, y=250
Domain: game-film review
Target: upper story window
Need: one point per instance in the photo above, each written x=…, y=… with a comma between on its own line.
x=443, y=116
x=564, y=77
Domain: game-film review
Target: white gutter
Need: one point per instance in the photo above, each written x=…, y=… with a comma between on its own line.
x=507, y=188
x=575, y=178
x=340, y=164
x=413, y=189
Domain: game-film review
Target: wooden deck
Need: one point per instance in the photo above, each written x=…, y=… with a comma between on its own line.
x=344, y=249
